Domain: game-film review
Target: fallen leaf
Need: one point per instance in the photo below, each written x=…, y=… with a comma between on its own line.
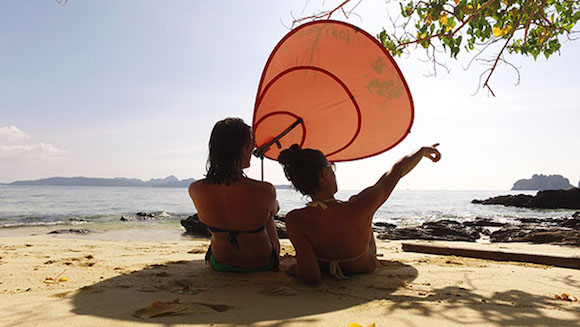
x=159, y=308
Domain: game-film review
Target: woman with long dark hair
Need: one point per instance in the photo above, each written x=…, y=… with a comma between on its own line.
x=238, y=210
x=330, y=234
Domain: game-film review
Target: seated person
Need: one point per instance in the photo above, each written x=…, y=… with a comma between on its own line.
x=238, y=210
x=330, y=234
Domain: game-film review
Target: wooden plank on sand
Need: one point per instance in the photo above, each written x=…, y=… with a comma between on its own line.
x=497, y=255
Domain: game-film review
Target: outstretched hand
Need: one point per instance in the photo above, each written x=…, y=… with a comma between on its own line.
x=431, y=152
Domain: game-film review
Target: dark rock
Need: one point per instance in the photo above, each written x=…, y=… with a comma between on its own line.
x=281, y=229
x=531, y=220
x=77, y=220
x=571, y=223
x=538, y=236
x=152, y=215
x=520, y=200
x=444, y=230
x=557, y=199
x=440, y=223
x=483, y=222
x=127, y=218
x=384, y=224
x=70, y=231
x=576, y=214
x=483, y=231
x=553, y=199
x=195, y=227
x=280, y=221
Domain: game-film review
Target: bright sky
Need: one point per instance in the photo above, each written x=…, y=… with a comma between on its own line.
x=132, y=88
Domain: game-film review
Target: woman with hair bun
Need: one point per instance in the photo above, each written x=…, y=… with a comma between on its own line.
x=238, y=210
x=330, y=234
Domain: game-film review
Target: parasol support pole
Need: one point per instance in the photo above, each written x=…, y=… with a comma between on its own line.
x=262, y=162
x=261, y=151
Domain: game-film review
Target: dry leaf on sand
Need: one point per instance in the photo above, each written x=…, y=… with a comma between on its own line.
x=158, y=308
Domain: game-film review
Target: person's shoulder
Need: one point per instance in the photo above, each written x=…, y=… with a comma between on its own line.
x=297, y=214
x=261, y=185
x=196, y=186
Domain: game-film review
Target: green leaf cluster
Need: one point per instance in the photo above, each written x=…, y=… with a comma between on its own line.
x=526, y=27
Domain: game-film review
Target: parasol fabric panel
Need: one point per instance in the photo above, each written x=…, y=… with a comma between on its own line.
x=347, y=90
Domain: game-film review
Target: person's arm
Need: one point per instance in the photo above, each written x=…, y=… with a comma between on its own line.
x=373, y=197
x=306, y=268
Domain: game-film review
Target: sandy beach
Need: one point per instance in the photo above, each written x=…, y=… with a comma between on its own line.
x=60, y=281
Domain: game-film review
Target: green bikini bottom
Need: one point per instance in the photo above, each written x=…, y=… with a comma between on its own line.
x=219, y=266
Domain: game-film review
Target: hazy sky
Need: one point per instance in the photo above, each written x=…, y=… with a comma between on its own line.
x=132, y=88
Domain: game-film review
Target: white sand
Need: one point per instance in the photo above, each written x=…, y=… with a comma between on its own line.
x=109, y=280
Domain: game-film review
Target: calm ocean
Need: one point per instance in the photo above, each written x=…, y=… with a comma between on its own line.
x=100, y=208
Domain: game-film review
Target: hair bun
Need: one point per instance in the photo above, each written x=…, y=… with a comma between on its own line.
x=286, y=156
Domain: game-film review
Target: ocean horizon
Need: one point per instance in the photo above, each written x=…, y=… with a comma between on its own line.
x=101, y=208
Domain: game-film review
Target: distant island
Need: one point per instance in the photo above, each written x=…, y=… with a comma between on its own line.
x=169, y=181
x=542, y=183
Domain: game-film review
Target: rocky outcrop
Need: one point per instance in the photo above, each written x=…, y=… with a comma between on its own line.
x=561, y=231
x=443, y=230
x=543, y=182
x=538, y=236
x=555, y=199
x=195, y=227
x=70, y=231
x=146, y=216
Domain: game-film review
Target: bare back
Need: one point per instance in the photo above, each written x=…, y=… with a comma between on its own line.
x=246, y=205
x=340, y=232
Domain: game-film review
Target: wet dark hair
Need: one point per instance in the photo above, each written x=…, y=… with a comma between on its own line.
x=303, y=167
x=227, y=142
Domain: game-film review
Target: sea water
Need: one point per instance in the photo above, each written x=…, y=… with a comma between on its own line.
x=102, y=207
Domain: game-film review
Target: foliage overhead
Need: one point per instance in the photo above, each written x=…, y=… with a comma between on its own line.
x=522, y=27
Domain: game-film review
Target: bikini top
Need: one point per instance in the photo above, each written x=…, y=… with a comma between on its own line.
x=320, y=203
x=233, y=234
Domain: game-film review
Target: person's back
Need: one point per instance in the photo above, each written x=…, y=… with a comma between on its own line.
x=245, y=207
x=237, y=210
x=338, y=232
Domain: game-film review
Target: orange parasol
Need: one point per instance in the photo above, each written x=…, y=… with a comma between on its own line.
x=331, y=86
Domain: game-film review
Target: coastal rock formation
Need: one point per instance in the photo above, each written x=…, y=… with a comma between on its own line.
x=443, y=230
x=543, y=182
x=195, y=227
x=379, y=226
x=150, y=215
x=561, y=231
x=554, y=199
x=538, y=236
x=70, y=231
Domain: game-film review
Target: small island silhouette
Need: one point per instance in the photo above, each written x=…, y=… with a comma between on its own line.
x=542, y=182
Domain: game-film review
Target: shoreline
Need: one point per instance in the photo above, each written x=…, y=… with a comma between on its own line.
x=128, y=233
x=108, y=280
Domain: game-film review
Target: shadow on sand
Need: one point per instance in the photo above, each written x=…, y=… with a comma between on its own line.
x=242, y=299
x=275, y=299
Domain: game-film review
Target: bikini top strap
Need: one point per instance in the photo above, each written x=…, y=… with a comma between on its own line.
x=233, y=234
